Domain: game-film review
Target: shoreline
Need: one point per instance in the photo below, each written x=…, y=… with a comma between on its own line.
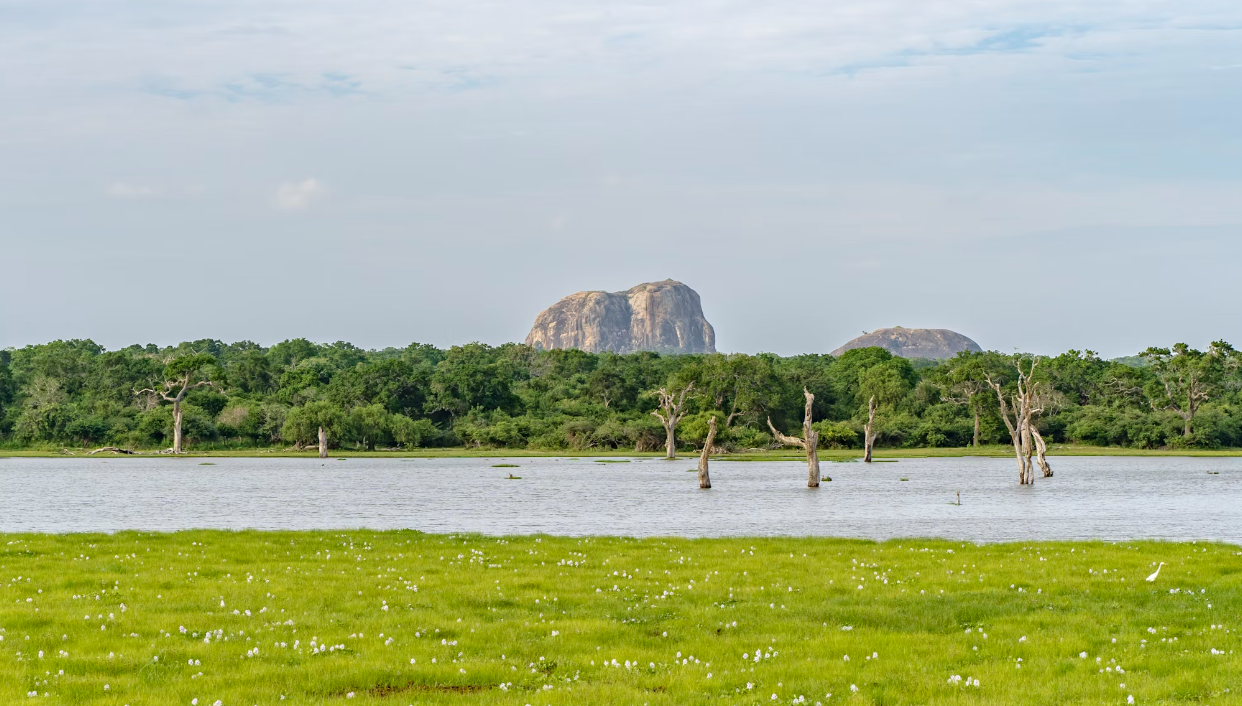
x=826, y=455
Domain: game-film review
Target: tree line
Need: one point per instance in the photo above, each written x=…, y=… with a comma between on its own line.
x=209, y=394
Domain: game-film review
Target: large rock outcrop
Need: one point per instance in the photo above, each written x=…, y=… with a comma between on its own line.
x=914, y=342
x=666, y=317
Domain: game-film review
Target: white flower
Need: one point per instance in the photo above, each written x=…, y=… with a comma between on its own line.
x=1130, y=699
x=1083, y=655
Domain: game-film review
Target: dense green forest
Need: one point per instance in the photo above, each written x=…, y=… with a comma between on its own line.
x=75, y=393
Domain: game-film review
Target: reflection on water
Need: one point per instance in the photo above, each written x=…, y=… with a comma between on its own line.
x=1089, y=498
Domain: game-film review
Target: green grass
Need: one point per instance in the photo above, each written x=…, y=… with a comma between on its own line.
x=466, y=614
x=996, y=451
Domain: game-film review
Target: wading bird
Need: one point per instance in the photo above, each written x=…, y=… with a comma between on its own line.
x=1155, y=573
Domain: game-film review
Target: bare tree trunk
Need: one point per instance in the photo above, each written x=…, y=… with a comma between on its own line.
x=1028, y=448
x=177, y=425
x=1041, y=449
x=673, y=413
x=1014, y=426
x=705, y=481
x=323, y=443
x=809, y=442
x=869, y=431
x=975, y=441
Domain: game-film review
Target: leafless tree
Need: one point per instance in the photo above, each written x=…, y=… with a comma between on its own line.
x=705, y=481
x=809, y=442
x=323, y=443
x=1016, y=412
x=869, y=431
x=673, y=413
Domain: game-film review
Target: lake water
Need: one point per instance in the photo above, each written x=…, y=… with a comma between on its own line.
x=1089, y=498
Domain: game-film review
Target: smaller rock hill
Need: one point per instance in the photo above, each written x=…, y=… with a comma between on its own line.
x=914, y=342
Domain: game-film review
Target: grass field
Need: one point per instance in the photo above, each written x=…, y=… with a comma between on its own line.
x=237, y=619
x=997, y=451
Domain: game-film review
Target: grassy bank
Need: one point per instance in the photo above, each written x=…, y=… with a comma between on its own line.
x=405, y=618
x=997, y=451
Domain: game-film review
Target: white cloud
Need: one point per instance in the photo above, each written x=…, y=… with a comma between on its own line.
x=123, y=190
x=295, y=196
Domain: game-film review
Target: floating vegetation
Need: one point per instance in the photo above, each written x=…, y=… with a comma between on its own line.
x=505, y=465
x=905, y=479
x=206, y=464
x=612, y=460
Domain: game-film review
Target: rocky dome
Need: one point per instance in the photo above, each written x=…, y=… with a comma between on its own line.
x=914, y=342
x=656, y=316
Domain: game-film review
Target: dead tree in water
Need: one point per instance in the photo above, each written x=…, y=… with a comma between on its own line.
x=809, y=440
x=1041, y=451
x=323, y=443
x=869, y=431
x=1018, y=418
x=705, y=481
x=673, y=412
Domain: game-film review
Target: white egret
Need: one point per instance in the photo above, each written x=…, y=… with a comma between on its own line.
x=1155, y=573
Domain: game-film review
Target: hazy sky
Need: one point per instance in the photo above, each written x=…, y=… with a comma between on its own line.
x=1036, y=174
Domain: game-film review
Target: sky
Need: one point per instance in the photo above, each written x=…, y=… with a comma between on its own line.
x=1038, y=175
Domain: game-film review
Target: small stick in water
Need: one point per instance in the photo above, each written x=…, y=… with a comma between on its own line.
x=959, y=497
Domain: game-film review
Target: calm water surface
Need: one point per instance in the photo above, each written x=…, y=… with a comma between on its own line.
x=1089, y=498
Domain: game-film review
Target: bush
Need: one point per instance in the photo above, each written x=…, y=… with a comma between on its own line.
x=837, y=435
x=415, y=433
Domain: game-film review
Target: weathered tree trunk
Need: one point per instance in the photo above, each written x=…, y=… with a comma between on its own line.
x=705, y=480
x=673, y=412
x=869, y=431
x=1028, y=448
x=1041, y=449
x=975, y=442
x=809, y=442
x=323, y=443
x=177, y=425
x=1014, y=426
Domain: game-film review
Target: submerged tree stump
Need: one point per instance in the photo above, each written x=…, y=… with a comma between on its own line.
x=705, y=480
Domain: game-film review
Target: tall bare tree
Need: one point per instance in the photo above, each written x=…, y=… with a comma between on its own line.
x=705, y=480
x=809, y=442
x=869, y=431
x=1017, y=412
x=674, y=406
x=177, y=376
x=323, y=443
